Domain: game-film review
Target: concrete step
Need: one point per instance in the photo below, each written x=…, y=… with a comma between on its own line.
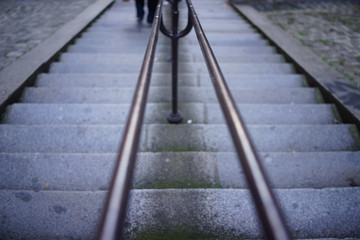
x=157, y=112
x=267, y=138
x=136, y=59
x=243, y=58
x=165, y=41
x=98, y=39
x=166, y=214
x=92, y=172
x=98, y=58
x=190, y=48
x=206, y=14
x=229, y=68
x=136, y=33
x=163, y=94
x=206, y=27
x=276, y=114
x=166, y=137
x=53, y=80
x=229, y=213
x=112, y=80
x=258, y=80
x=225, y=23
x=101, y=114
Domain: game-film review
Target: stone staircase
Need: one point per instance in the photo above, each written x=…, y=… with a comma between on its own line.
x=58, y=144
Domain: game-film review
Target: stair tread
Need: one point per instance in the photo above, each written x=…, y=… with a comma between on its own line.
x=157, y=112
x=166, y=41
x=92, y=172
x=118, y=58
x=141, y=49
x=165, y=137
x=162, y=94
x=245, y=68
x=222, y=212
x=163, y=79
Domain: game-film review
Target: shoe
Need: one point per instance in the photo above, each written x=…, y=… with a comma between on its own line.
x=140, y=12
x=150, y=17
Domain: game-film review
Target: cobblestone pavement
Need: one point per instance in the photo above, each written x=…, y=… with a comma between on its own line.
x=331, y=29
x=26, y=23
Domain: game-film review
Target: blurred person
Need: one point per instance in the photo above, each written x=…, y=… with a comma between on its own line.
x=151, y=4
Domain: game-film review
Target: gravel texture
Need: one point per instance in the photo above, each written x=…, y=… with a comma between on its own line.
x=331, y=29
x=26, y=23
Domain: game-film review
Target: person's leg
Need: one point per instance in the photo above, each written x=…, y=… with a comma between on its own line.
x=152, y=7
x=139, y=9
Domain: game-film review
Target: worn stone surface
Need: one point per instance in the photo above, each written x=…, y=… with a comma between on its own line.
x=162, y=94
x=92, y=172
x=321, y=213
x=49, y=195
x=26, y=23
x=156, y=113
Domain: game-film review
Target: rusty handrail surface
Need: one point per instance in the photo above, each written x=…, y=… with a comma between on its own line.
x=111, y=226
x=273, y=223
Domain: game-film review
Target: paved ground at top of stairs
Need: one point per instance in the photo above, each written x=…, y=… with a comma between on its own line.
x=25, y=24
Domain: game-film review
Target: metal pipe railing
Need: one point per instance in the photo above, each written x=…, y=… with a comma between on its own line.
x=268, y=210
x=111, y=226
x=116, y=205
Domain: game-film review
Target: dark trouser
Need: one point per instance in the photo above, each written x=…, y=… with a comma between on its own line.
x=140, y=9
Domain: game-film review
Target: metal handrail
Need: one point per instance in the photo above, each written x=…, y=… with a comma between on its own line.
x=111, y=226
x=112, y=223
x=268, y=210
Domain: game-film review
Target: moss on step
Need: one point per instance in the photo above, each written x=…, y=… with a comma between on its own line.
x=319, y=98
x=2, y=117
x=337, y=116
x=355, y=134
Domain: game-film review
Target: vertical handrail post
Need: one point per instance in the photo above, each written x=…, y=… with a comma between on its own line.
x=175, y=116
